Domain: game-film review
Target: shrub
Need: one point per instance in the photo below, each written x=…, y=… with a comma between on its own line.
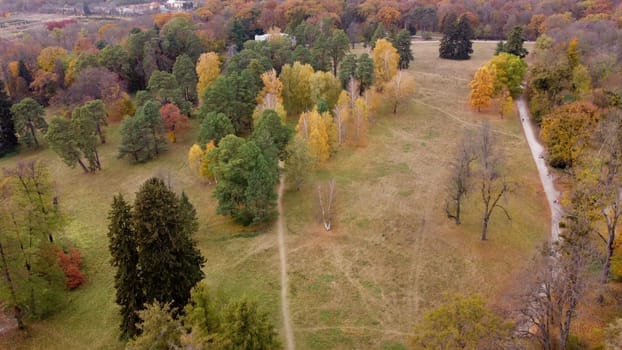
x=70, y=263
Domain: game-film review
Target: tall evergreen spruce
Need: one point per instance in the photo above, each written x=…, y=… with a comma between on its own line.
x=457, y=34
x=169, y=261
x=190, y=258
x=122, y=245
x=8, y=140
x=401, y=41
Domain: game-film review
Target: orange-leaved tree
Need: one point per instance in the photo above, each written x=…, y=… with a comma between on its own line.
x=174, y=120
x=482, y=87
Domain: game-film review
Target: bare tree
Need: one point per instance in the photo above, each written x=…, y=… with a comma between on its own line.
x=327, y=199
x=459, y=179
x=494, y=185
x=549, y=307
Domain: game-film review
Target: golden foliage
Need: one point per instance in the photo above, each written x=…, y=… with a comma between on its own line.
x=341, y=114
x=14, y=69
x=386, y=59
x=203, y=13
x=320, y=133
x=271, y=85
x=388, y=16
x=326, y=87
x=198, y=161
x=208, y=69
x=270, y=96
x=566, y=131
x=48, y=57
x=205, y=171
x=161, y=19
x=120, y=108
x=195, y=158
x=482, y=87
x=399, y=88
x=296, y=87
x=359, y=123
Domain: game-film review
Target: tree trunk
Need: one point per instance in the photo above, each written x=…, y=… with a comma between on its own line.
x=610, y=248
x=17, y=312
x=395, y=108
x=34, y=134
x=135, y=156
x=485, y=227
x=97, y=162
x=86, y=170
x=458, y=211
x=155, y=142
x=102, y=138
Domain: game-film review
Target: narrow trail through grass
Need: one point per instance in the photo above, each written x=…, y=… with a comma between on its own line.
x=287, y=323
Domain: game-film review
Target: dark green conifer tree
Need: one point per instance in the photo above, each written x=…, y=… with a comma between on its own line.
x=365, y=72
x=457, y=34
x=8, y=140
x=347, y=69
x=401, y=41
x=169, y=261
x=122, y=245
x=514, y=45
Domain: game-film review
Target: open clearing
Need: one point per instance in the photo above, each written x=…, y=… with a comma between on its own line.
x=391, y=256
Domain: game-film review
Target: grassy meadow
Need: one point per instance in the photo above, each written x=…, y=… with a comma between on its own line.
x=392, y=254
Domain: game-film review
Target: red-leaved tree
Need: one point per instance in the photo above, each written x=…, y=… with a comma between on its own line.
x=174, y=120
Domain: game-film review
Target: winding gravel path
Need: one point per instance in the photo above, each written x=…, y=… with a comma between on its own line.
x=546, y=177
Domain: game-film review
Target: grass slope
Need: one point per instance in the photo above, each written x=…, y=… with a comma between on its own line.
x=392, y=254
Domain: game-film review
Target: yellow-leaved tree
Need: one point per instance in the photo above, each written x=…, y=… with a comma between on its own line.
x=325, y=87
x=208, y=69
x=320, y=133
x=205, y=171
x=195, y=158
x=341, y=115
x=566, y=131
x=270, y=97
x=198, y=161
x=297, y=87
x=503, y=101
x=482, y=87
x=386, y=61
x=49, y=56
x=399, y=88
x=359, y=123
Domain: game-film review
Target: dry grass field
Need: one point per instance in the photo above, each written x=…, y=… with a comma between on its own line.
x=392, y=255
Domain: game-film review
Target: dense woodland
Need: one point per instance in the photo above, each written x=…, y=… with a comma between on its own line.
x=299, y=97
